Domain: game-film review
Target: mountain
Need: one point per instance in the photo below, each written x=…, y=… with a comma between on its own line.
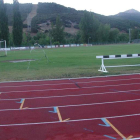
x=132, y=15
x=47, y=13
x=44, y=14
x=131, y=11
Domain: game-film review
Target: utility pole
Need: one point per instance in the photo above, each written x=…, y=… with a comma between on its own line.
x=130, y=36
x=88, y=40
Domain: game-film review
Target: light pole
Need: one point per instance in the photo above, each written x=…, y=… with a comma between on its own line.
x=88, y=40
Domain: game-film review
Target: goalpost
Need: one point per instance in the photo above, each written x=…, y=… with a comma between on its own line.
x=3, y=48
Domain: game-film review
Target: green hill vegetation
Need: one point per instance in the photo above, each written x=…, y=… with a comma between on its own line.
x=131, y=14
x=49, y=11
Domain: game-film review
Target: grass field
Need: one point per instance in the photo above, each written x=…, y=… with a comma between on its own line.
x=66, y=62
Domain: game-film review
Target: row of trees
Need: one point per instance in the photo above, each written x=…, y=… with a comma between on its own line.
x=91, y=28
x=91, y=31
x=17, y=24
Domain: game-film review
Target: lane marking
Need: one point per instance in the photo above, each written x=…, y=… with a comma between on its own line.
x=78, y=95
x=22, y=103
x=78, y=105
x=80, y=120
x=117, y=131
x=55, y=110
x=39, y=90
x=88, y=130
x=61, y=89
x=21, y=106
x=73, y=82
x=135, y=138
x=25, y=108
x=21, y=100
x=60, y=117
x=66, y=120
x=105, y=123
x=129, y=137
x=110, y=137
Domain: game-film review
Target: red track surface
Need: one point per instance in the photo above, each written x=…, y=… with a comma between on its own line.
x=85, y=101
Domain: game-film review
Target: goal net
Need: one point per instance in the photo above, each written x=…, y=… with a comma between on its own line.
x=3, y=48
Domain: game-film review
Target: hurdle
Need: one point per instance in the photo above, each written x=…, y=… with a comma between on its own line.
x=105, y=57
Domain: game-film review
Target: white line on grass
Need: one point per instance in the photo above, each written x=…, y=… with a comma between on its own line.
x=74, y=78
x=64, y=96
x=90, y=119
x=78, y=105
x=37, y=85
x=71, y=88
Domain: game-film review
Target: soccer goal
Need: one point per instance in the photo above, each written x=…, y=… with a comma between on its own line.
x=3, y=48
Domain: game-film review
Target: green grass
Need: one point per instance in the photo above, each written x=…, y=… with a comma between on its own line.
x=66, y=62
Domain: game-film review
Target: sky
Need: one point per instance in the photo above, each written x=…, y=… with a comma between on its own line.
x=104, y=7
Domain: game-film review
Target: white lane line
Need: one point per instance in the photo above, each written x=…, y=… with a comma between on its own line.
x=79, y=120
x=131, y=74
x=64, y=96
x=71, y=88
x=37, y=85
x=78, y=105
x=135, y=138
x=39, y=90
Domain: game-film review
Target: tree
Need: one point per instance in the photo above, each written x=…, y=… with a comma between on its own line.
x=58, y=31
x=4, y=31
x=136, y=34
x=17, y=24
x=123, y=37
x=103, y=33
x=88, y=26
x=113, y=35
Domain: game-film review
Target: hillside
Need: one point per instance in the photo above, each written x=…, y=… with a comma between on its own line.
x=47, y=13
x=25, y=9
x=132, y=15
x=42, y=15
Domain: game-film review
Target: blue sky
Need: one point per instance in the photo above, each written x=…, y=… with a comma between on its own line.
x=104, y=7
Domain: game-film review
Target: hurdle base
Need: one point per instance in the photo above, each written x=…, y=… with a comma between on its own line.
x=103, y=71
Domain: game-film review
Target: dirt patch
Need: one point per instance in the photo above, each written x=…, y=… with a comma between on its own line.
x=20, y=60
x=31, y=15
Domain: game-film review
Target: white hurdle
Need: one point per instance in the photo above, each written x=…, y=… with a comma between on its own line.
x=103, y=67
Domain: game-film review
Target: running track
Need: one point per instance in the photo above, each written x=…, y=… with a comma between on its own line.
x=97, y=108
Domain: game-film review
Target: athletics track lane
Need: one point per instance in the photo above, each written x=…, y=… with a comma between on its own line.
x=71, y=91
x=71, y=100
x=65, y=130
x=74, y=84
